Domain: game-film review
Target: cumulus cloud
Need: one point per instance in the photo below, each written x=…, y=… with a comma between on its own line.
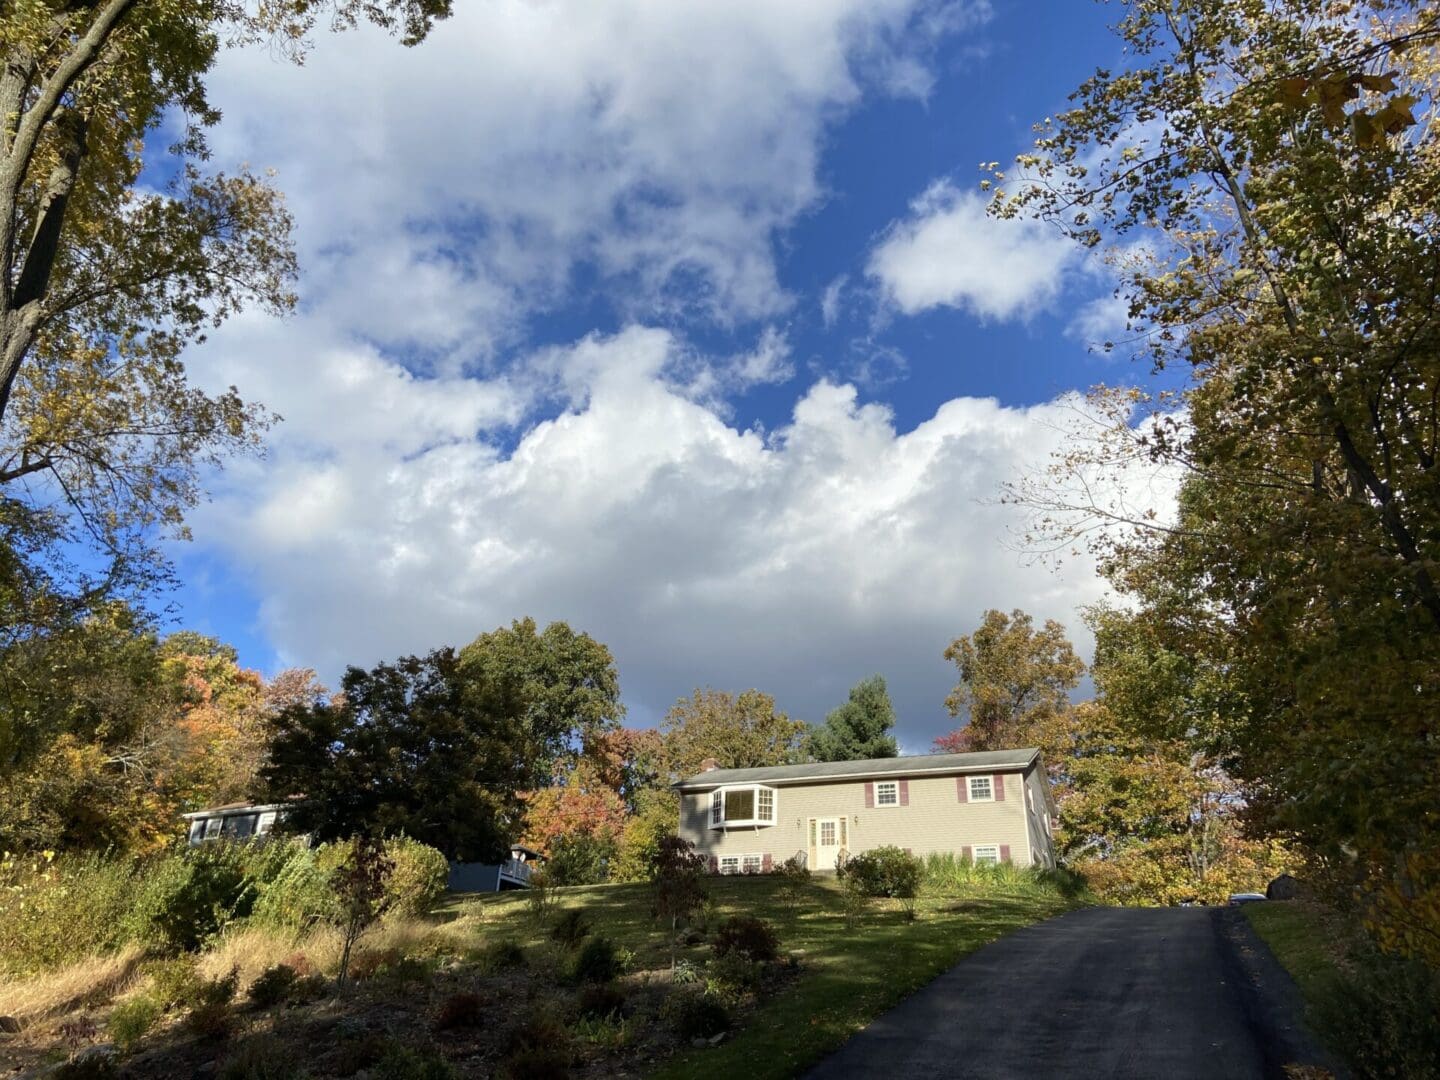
x=446, y=194
x=701, y=552
x=949, y=253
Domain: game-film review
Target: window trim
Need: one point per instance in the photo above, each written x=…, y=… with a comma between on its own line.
x=989, y=795
x=718, y=820
x=975, y=854
x=894, y=786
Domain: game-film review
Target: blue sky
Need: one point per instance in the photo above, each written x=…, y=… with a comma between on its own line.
x=680, y=322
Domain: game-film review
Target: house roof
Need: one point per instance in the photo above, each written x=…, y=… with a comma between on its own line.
x=233, y=808
x=913, y=765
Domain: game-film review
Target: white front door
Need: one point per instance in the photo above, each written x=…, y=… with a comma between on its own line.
x=827, y=843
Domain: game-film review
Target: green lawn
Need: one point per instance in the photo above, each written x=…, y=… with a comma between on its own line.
x=848, y=975
x=1308, y=940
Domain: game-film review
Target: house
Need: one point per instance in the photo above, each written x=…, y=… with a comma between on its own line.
x=513, y=873
x=993, y=806
x=235, y=821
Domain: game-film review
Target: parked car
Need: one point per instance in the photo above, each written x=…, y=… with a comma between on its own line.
x=1238, y=898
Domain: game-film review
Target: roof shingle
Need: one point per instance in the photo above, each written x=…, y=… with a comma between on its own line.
x=912, y=765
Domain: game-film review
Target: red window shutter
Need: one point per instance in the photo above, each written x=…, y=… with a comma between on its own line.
x=904, y=792
x=965, y=852
x=766, y=863
x=962, y=788
x=714, y=864
x=1004, y=852
x=869, y=796
x=997, y=784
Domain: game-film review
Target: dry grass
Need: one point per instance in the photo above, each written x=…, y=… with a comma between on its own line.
x=94, y=980
x=252, y=951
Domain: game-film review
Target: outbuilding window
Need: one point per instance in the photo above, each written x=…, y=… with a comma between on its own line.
x=987, y=854
x=887, y=793
x=743, y=804
x=981, y=790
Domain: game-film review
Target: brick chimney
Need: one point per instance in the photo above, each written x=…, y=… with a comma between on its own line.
x=709, y=765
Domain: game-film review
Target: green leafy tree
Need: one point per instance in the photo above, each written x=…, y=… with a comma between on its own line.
x=861, y=728
x=564, y=685
x=740, y=731
x=1014, y=680
x=417, y=747
x=656, y=816
x=1266, y=177
x=106, y=280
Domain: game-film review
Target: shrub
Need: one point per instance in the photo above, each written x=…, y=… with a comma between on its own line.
x=417, y=880
x=409, y=1063
x=597, y=962
x=131, y=1021
x=539, y=1041
x=732, y=974
x=602, y=1000
x=499, y=955
x=749, y=936
x=210, y=1014
x=579, y=859
x=540, y=898
x=90, y=1065
x=793, y=875
x=190, y=896
x=571, y=927
x=274, y=986
x=260, y=1059
x=884, y=872
x=695, y=1016
x=174, y=981
x=463, y=1010
x=300, y=892
x=56, y=911
x=537, y=1063
x=1384, y=1014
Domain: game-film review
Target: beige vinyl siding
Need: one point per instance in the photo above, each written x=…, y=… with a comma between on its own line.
x=934, y=821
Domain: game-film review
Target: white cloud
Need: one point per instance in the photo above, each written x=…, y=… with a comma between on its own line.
x=702, y=553
x=446, y=194
x=830, y=300
x=949, y=253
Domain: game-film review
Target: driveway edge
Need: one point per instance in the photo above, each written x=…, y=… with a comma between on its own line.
x=1273, y=1002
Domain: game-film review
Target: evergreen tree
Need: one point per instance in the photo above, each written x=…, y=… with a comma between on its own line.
x=859, y=729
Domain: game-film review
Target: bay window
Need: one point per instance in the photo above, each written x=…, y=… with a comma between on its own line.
x=742, y=804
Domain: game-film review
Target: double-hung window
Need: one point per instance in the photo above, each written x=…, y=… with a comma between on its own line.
x=887, y=793
x=729, y=864
x=751, y=864
x=742, y=804
x=981, y=789
x=987, y=854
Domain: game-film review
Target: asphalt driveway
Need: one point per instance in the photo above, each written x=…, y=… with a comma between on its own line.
x=1163, y=994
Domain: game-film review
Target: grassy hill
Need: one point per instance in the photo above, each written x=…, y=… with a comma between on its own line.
x=481, y=987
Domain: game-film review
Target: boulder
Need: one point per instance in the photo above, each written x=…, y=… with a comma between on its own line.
x=1284, y=887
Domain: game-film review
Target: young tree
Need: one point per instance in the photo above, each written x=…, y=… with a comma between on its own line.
x=105, y=280
x=739, y=731
x=1013, y=680
x=861, y=728
x=360, y=896
x=678, y=884
x=414, y=747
